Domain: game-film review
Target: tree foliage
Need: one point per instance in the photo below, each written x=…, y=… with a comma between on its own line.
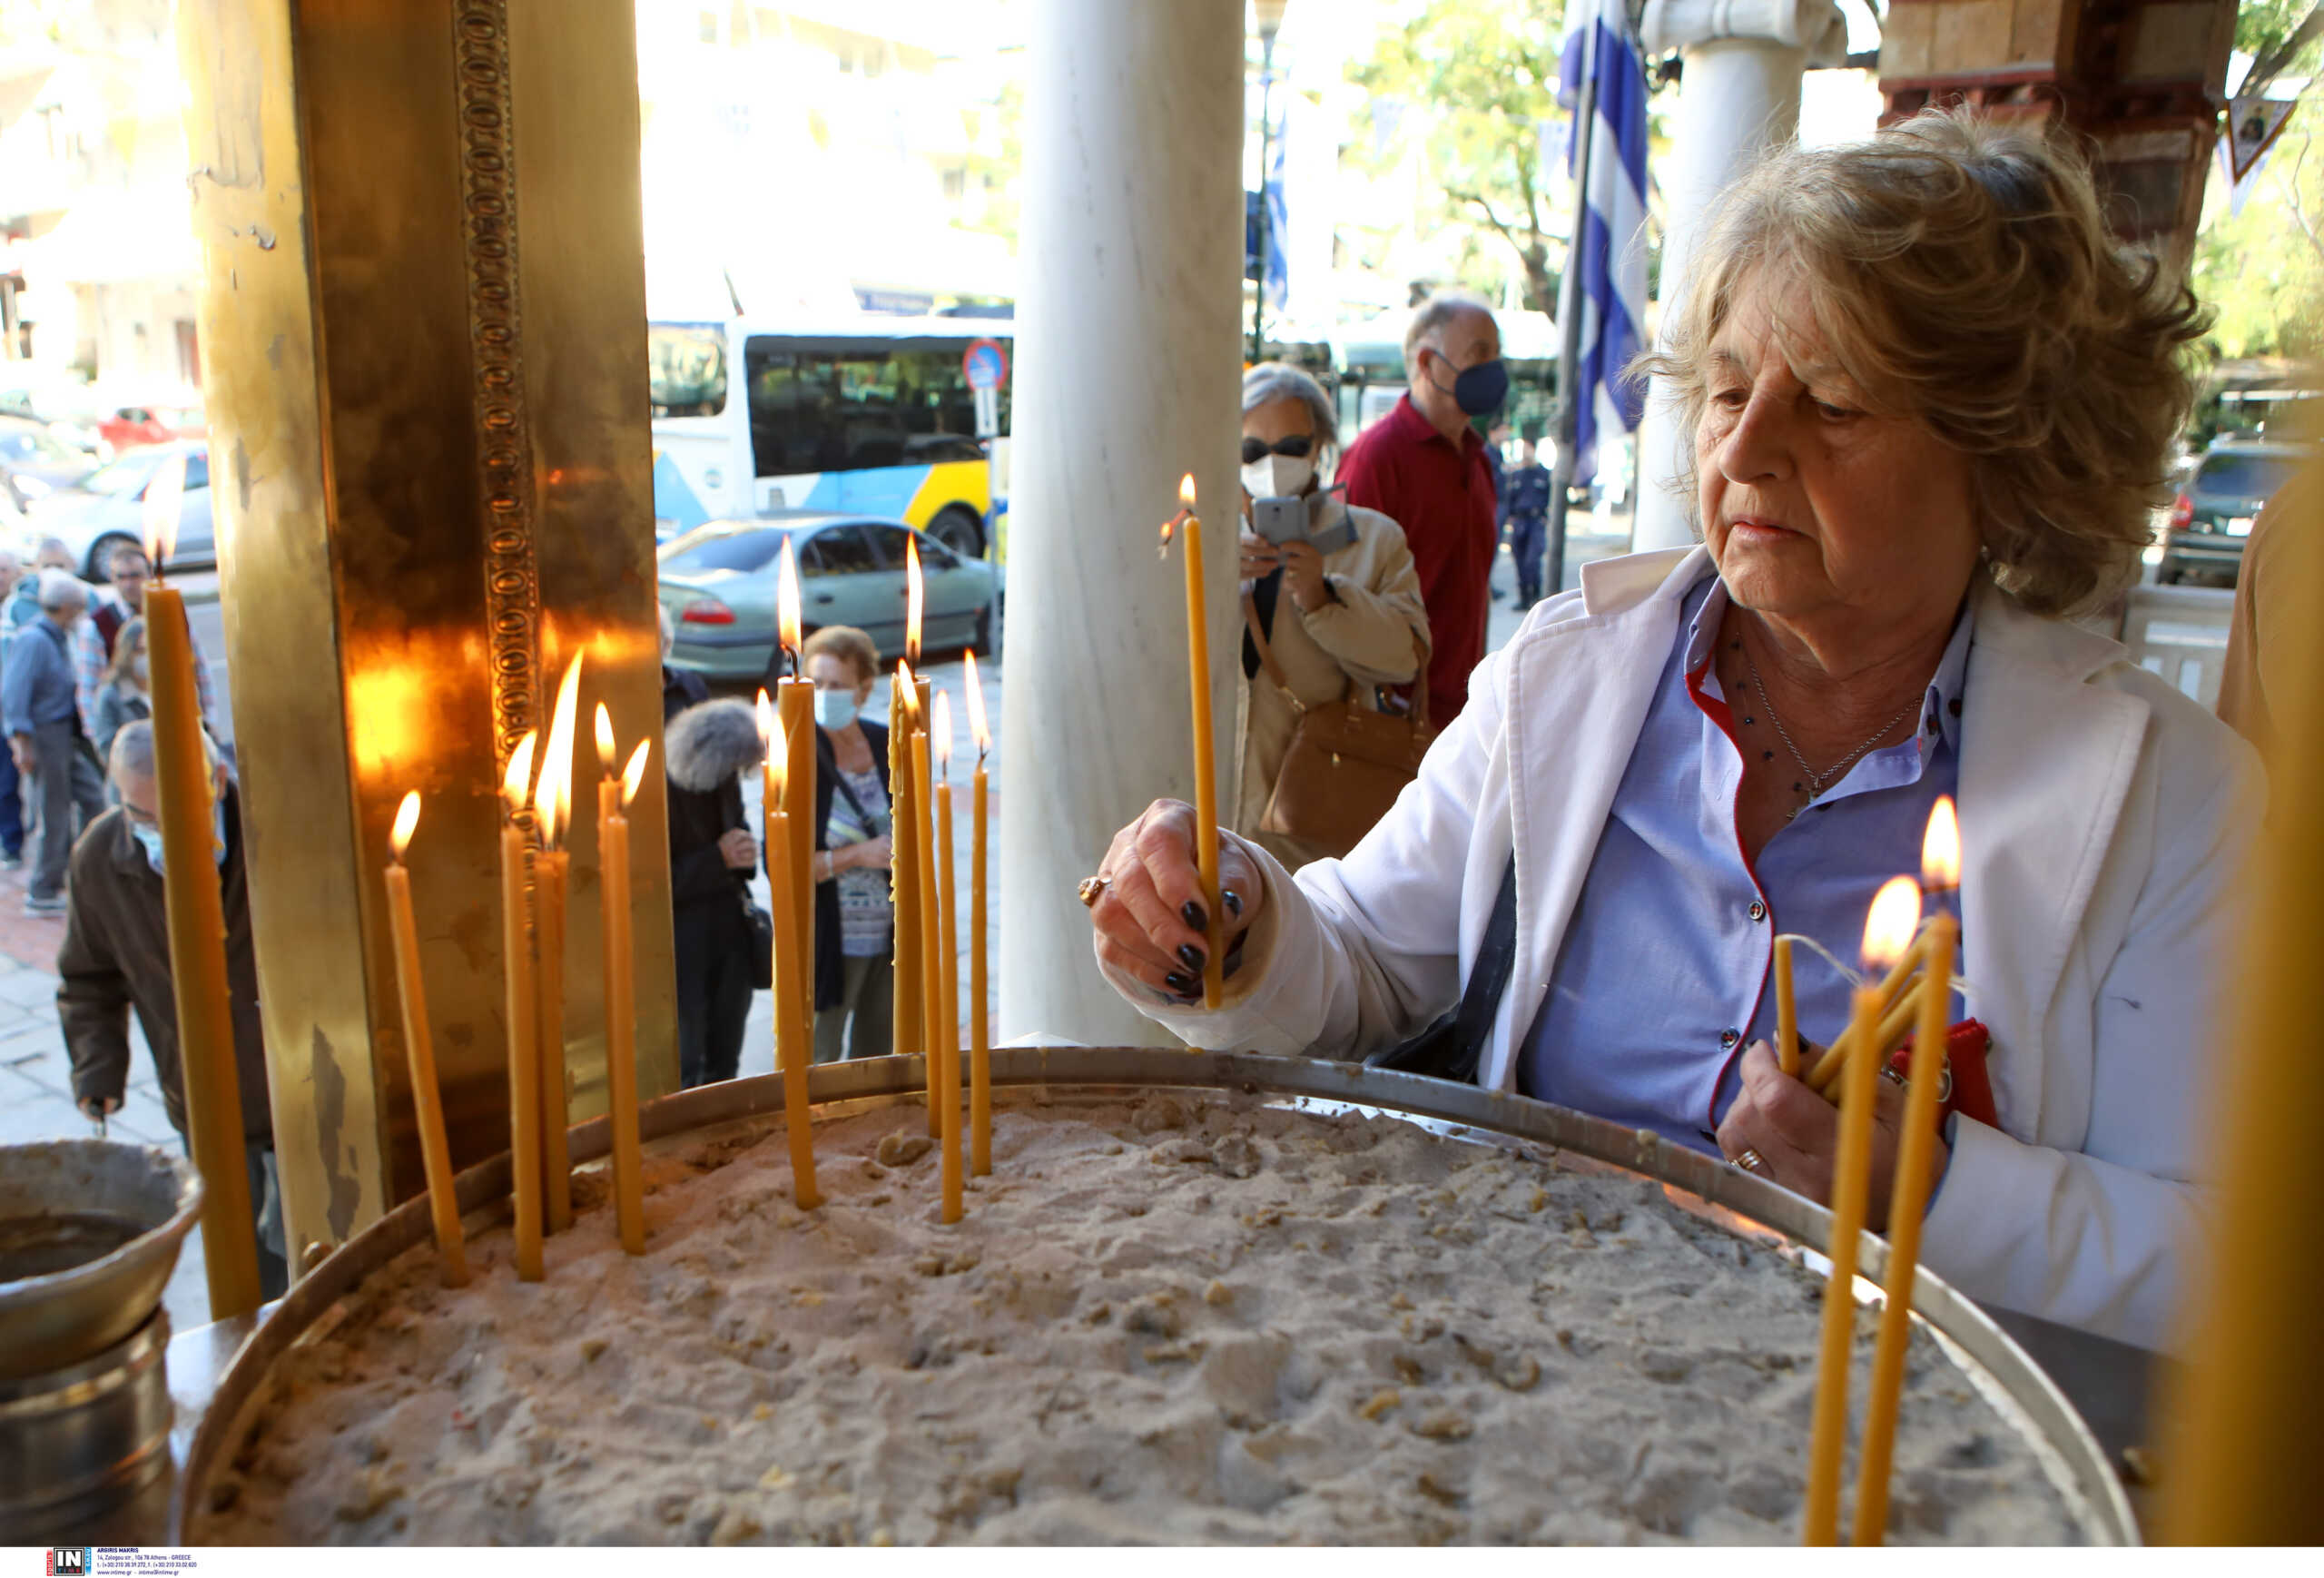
x=2261, y=272
x=1475, y=82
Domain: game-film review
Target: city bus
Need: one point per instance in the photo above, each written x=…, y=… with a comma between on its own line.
x=867, y=414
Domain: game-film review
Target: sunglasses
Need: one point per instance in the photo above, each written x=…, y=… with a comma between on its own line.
x=1298, y=446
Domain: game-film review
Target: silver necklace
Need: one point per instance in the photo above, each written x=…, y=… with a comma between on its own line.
x=1816, y=782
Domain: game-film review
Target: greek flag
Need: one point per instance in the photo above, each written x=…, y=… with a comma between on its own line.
x=1609, y=253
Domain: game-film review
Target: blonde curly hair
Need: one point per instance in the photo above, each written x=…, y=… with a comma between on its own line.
x=1962, y=274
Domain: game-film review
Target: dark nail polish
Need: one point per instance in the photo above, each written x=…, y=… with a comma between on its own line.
x=1192, y=957
x=1233, y=903
x=1182, y=985
x=1192, y=913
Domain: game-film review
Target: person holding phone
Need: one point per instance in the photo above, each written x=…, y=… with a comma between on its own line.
x=1329, y=586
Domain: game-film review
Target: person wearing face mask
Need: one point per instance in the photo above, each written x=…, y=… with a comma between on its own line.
x=115, y=959
x=122, y=695
x=707, y=745
x=855, y=917
x=1424, y=466
x=1340, y=619
x=94, y=637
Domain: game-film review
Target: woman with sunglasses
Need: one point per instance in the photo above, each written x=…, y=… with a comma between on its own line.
x=1329, y=586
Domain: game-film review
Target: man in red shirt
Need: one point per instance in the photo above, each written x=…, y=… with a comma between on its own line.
x=1424, y=466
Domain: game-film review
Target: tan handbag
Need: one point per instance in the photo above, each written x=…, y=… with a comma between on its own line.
x=1346, y=764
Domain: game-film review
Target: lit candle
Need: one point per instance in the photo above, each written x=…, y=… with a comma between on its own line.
x=419, y=1049
x=979, y=1033
x=903, y=830
x=614, y=798
x=524, y=1051
x=1206, y=775
x=794, y=705
x=197, y=921
x=1786, y=1012
x=1908, y=1195
x=948, y=954
x=552, y=870
x=1887, y=935
x=931, y=948
x=793, y=1045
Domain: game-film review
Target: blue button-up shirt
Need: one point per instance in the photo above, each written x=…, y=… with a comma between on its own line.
x=1665, y=974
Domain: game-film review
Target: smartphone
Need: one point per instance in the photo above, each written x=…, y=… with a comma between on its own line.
x=1279, y=520
x=1340, y=534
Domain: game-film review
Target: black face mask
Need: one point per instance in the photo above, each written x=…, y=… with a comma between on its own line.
x=1297, y=447
x=1479, y=391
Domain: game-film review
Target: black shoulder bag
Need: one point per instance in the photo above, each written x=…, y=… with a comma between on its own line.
x=1451, y=1048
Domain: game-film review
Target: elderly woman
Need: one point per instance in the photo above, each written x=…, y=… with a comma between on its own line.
x=1338, y=607
x=1931, y=404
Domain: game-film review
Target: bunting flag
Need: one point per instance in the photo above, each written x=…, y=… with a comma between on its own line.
x=1610, y=252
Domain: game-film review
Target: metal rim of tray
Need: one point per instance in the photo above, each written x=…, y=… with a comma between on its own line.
x=1739, y=1199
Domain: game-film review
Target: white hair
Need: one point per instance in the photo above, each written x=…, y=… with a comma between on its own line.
x=132, y=751
x=1270, y=382
x=1437, y=311
x=62, y=589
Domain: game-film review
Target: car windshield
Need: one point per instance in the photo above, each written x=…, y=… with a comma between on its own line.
x=741, y=552
x=2248, y=476
x=121, y=478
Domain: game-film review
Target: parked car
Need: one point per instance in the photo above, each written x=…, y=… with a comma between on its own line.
x=2213, y=513
x=39, y=460
x=135, y=427
x=108, y=506
x=718, y=583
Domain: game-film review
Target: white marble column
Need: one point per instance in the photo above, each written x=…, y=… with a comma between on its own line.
x=1128, y=377
x=1739, y=96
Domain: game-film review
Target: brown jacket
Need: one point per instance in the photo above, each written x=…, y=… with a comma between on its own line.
x=117, y=957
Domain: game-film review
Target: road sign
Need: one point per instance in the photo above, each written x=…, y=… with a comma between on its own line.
x=985, y=364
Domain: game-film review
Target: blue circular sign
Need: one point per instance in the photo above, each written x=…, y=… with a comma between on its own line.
x=985, y=364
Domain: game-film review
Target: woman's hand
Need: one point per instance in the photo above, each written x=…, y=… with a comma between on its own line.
x=1259, y=556
x=739, y=848
x=862, y=854
x=1796, y=1134
x=1302, y=576
x=1150, y=919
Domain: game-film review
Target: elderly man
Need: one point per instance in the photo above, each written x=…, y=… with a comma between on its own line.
x=1424, y=466
x=92, y=639
x=116, y=957
x=45, y=737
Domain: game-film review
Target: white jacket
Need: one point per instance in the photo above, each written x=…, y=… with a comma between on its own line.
x=2105, y=820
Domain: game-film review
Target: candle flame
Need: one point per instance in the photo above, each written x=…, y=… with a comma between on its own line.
x=1186, y=491
x=976, y=729
x=770, y=738
x=519, y=776
x=164, y=501
x=1941, y=849
x=909, y=689
x=1896, y=915
x=406, y=818
x=915, y=599
x=1170, y=530
x=786, y=601
x=604, y=739
x=553, y=794
x=634, y=776
x=941, y=732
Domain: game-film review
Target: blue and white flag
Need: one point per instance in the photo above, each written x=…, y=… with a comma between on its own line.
x=1277, y=283
x=1609, y=255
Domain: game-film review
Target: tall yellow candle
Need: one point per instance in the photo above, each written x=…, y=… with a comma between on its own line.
x=1908, y=1197
x=614, y=798
x=1786, y=1012
x=552, y=880
x=949, y=958
x=523, y=1049
x=420, y=1050
x=1888, y=932
x=979, y=1031
x=1206, y=772
x=197, y=924
x=931, y=946
x=794, y=703
x=793, y=1042
x=903, y=865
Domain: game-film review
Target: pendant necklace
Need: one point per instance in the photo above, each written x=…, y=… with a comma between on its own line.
x=1818, y=781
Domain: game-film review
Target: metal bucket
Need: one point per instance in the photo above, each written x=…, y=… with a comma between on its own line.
x=90, y=1232
x=1736, y=1200
x=79, y=1443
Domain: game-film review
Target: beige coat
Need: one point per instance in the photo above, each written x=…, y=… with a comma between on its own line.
x=1364, y=635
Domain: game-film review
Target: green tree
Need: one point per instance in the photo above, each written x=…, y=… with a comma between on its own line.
x=1481, y=76
x=2262, y=270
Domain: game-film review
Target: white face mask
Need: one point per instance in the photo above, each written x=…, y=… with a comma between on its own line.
x=1278, y=476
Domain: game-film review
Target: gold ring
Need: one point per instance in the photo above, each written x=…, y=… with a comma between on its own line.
x=1092, y=888
x=1749, y=1160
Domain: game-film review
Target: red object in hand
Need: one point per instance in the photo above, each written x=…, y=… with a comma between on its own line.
x=1971, y=1092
